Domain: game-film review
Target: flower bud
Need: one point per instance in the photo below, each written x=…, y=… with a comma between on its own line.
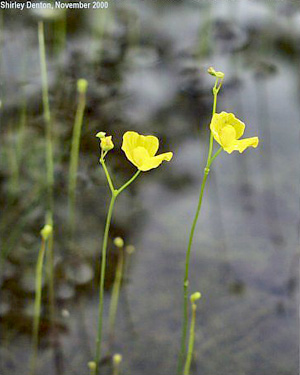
x=119, y=242
x=46, y=231
x=82, y=85
x=195, y=296
x=100, y=135
x=106, y=143
x=117, y=359
x=92, y=365
x=212, y=72
x=130, y=249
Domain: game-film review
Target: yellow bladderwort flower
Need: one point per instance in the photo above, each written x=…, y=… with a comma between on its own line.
x=141, y=150
x=227, y=131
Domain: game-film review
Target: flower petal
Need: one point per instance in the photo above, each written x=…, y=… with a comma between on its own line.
x=217, y=123
x=130, y=140
x=149, y=142
x=227, y=135
x=140, y=156
x=242, y=145
x=155, y=161
x=238, y=125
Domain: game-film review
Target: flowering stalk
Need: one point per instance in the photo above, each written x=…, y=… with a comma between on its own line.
x=226, y=130
x=46, y=233
x=210, y=159
x=49, y=163
x=81, y=88
x=117, y=359
x=141, y=151
x=114, y=195
x=194, y=298
x=116, y=287
x=47, y=116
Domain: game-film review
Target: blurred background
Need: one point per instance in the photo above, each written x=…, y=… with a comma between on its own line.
x=146, y=62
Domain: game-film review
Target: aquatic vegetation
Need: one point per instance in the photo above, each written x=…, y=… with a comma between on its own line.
x=82, y=85
x=46, y=234
x=49, y=163
x=194, y=297
x=140, y=150
x=226, y=129
x=47, y=119
x=117, y=359
x=119, y=243
x=92, y=367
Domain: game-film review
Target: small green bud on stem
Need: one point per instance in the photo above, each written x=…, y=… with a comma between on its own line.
x=195, y=296
x=46, y=231
x=119, y=242
x=82, y=85
x=213, y=73
x=100, y=135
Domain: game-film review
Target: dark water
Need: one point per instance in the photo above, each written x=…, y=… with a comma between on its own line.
x=146, y=66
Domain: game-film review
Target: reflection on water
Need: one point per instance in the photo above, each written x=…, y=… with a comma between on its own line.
x=146, y=63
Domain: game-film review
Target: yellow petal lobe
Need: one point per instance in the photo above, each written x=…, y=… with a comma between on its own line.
x=242, y=145
x=155, y=161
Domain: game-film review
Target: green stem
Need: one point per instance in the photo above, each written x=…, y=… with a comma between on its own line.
x=191, y=341
x=102, y=278
x=215, y=155
x=115, y=294
x=50, y=264
x=116, y=369
x=216, y=89
x=114, y=194
x=119, y=191
x=47, y=116
x=110, y=183
x=74, y=158
x=37, y=305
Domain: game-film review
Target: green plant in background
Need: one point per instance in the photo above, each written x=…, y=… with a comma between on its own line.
x=141, y=151
x=227, y=130
x=119, y=243
x=49, y=164
x=117, y=359
x=46, y=234
x=47, y=119
x=194, y=297
x=92, y=367
x=82, y=85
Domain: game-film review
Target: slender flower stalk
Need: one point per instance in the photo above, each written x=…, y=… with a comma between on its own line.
x=141, y=151
x=49, y=164
x=226, y=130
x=46, y=233
x=194, y=298
x=92, y=367
x=114, y=195
x=116, y=287
x=47, y=118
x=81, y=88
x=117, y=359
x=209, y=161
x=50, y=274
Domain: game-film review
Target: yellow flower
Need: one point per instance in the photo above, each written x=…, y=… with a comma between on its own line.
x=227, y=130
x=106, y=143
x=141, y=150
